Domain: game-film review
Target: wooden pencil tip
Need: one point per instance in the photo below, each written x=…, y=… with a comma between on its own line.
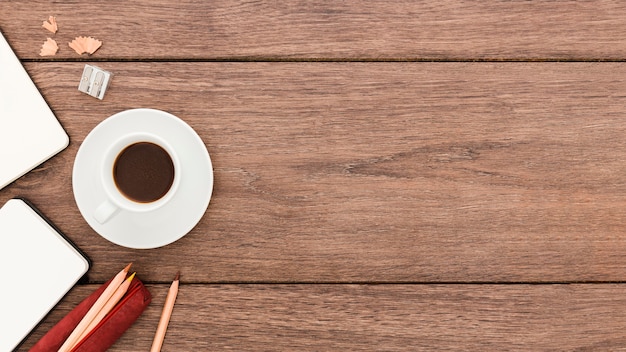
x=127, y=267
x=130, y=278
x=177, y=276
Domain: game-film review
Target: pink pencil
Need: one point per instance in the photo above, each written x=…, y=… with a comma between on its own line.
x=165, y=315
x=95, y=309
x=119, y=293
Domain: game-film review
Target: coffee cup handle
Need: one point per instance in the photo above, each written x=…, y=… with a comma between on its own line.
x=105, y=211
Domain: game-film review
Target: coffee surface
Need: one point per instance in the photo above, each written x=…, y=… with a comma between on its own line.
x=143, y=172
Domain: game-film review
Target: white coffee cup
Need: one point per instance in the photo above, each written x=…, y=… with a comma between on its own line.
x=116, y=199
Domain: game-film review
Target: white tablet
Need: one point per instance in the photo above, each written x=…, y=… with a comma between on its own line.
x=38, y=266
x=29, y=132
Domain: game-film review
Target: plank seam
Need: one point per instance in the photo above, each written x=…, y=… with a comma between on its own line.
x=335, y=60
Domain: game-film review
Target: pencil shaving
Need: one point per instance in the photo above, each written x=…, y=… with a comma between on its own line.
x=51, y=24
x=83, y=45
x=49, y=48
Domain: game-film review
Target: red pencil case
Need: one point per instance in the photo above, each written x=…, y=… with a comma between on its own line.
x=111, y=328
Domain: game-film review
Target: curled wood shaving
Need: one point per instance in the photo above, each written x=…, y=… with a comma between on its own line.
x=83, y=45
x=51, y=24
x=49, y=48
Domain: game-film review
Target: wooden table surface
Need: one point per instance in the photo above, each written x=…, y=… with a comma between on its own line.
x=408, y=175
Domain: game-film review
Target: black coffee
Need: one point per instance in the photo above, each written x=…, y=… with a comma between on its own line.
x=143, y=172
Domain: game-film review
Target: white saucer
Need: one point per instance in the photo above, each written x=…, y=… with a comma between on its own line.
x=174, y=219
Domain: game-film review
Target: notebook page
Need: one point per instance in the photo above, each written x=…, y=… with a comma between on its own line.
x=37, y=266
x=29, y=131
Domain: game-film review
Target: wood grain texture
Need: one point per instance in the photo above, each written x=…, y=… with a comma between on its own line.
x=378, y=317
x=229, y=29
x=372, y=172
x=362, y=205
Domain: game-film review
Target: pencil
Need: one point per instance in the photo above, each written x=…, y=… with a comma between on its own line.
x=165, y=315
x=117, y=295
x=95, y=308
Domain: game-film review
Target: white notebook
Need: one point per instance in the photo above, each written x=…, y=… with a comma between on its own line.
x=29, y=132
x=38, y=266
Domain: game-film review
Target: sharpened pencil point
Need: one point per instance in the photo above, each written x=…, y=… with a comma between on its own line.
x=177, y=276
x=130, y=278
x=127, y=268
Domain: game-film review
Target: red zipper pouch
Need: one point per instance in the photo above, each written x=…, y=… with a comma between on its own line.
x=111, y=328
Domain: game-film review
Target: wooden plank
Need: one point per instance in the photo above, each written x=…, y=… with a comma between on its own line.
x=228, y=29
x=378, y=317
x=373, y=172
